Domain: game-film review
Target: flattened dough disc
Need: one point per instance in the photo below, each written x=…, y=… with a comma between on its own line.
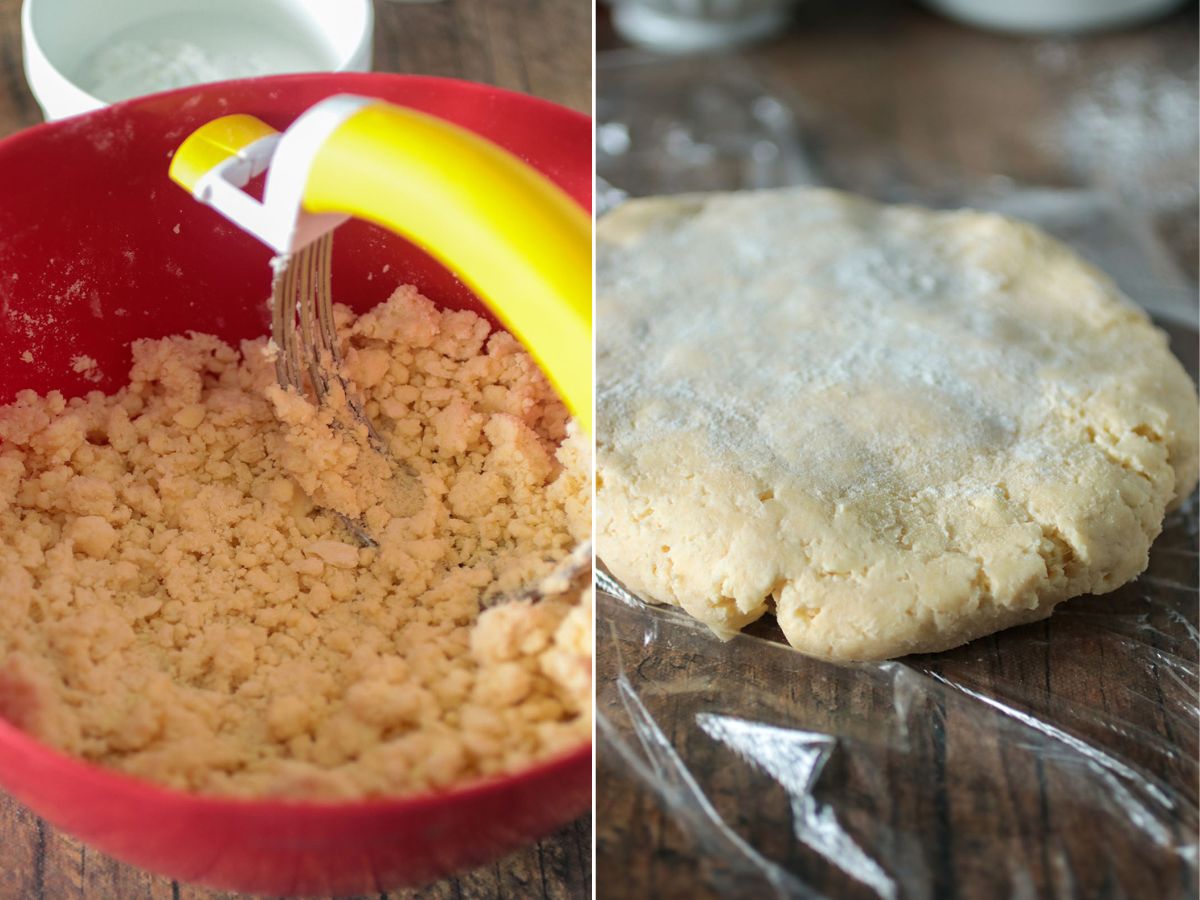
x=899, y=429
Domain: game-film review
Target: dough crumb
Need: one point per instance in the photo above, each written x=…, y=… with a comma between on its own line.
x=87, y=367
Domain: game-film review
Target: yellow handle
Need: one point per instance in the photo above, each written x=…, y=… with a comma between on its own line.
x=213, y=143
x=520, y=243
x=512, y=235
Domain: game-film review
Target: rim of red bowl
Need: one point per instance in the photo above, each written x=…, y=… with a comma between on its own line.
x=132, y=784
x=310, y=77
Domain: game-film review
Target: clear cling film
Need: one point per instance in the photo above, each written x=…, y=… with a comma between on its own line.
x=991, y=767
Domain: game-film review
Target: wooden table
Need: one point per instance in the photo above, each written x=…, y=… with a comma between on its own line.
x=887, y=96
x=541, y=47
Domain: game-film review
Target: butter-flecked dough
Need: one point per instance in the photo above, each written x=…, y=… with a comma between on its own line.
x=896, y=429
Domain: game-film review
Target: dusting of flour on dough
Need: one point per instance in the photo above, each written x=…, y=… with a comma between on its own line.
x=899, y=429
x=179, y=607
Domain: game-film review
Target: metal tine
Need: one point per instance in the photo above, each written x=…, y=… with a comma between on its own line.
x=329, y=342
x=358, y=530
x=279, y=307
x=299, y=348
x=291, y=349
x=283, y=303
x=558, y=580
x=326, y=333
x=308, y=286
x=325, y=301
x=303, y=282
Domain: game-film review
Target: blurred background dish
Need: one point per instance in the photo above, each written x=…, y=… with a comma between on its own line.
x=1047, y=16
x=80, y=56
x=691, y=25
x=688, y=26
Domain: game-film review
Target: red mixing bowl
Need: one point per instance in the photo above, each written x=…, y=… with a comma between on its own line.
x=97, y=248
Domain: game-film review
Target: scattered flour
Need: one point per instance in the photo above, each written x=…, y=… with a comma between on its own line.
x=1135, y=129
x=856, y=314
x=122, y=69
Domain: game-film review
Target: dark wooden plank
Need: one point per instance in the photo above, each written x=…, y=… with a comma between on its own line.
x=900, y=96
x=22, y=851
x=540, y=47
x=18, y=109
x=535, y=46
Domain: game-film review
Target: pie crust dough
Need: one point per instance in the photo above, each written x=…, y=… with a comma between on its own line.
x=895, y=428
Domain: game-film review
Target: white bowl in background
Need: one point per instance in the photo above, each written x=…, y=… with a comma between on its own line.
x=1052, y=16
x=687, y=26
x=82, y=55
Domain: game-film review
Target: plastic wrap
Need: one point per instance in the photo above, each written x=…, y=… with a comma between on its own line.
x=1056, y=759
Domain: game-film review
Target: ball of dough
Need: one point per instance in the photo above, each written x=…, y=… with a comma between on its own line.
x=894, y=428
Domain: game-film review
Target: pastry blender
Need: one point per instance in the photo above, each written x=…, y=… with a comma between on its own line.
x=514, y=237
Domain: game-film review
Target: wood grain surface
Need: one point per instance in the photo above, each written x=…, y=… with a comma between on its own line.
x=886, y=95
x=540, y=47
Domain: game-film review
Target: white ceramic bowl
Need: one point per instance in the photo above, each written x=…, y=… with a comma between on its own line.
x=686, y=26
x=1052, y=16
x=82, y=55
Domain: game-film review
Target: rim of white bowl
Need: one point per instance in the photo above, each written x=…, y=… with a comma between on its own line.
x=59, y=96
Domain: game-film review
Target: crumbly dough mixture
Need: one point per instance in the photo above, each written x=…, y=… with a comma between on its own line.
x=895, y=429
x=178, y=602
